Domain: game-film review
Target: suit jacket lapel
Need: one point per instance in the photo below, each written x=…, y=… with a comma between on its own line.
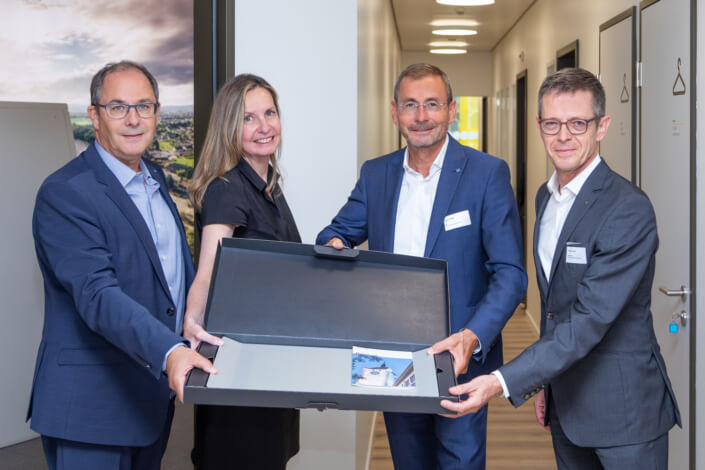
x=452, y=171
x=392, y=187
x=115, y=191
x=583, y=201
x=542, y=201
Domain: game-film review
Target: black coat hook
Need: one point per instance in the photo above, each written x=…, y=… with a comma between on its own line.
x=679, y=78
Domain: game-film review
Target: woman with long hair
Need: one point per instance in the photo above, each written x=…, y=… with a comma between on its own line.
x=235, y=193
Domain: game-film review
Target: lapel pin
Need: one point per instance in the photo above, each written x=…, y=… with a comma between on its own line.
x=457, y=170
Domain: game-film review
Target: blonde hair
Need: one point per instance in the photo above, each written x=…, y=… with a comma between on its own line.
x=222, y=148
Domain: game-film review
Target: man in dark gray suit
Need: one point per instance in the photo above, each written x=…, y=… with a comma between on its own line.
x=597, y=372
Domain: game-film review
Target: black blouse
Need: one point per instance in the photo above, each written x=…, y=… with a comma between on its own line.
x=240, y=199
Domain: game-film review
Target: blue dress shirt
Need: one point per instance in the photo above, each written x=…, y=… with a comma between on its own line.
x=144, y=192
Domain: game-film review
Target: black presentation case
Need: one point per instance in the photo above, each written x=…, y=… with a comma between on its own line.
x=290, y=314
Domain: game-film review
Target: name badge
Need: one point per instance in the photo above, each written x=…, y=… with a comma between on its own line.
x=457, y=220
x=575, y=255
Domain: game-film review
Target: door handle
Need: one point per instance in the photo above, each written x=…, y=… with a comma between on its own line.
x=684, y=292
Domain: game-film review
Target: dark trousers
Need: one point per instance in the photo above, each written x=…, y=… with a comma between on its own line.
x=63, y=454
x=427, y=442
x=651, y=455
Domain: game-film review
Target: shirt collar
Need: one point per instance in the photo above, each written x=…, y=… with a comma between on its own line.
x=122, y=172
x=576, y=184
x=437, y=164
x=246, y=169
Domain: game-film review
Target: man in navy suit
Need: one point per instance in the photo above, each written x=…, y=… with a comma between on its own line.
x=597, y=373
x=116, y=268
x=439, y=199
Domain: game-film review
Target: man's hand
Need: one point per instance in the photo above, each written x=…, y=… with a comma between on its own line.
x=179, y=362
x=194, y=332
x=461, y=346
x=479, y=390
x=336, y=243
x=540, y=409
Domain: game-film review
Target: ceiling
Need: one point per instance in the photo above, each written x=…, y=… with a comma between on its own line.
x=414, y=17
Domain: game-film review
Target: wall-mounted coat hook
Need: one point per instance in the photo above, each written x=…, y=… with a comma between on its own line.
x=679, y=90
x=624, y=97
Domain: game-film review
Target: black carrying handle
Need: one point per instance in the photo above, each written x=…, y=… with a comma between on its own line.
x=445, y=375
x=197, y=377
x=325, y=251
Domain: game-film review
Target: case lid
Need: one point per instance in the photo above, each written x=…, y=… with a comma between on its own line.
x=289, y=293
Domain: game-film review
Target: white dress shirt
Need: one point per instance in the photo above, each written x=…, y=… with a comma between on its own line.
x=557, y=209
x=415, y=205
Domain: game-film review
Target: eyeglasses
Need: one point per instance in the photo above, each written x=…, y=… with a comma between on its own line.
x=120, y=110
x=430, y=107
x=575, y=126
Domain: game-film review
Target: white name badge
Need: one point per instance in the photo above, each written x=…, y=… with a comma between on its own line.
x=457, y=220
x=575, y=255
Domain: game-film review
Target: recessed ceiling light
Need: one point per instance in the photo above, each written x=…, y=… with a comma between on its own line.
x=454, y=32
x=454, y=22
x=448, y=44
x=448, y=51
x=465, y=3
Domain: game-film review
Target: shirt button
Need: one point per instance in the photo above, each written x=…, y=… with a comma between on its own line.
x=163, y=258
x=170, y=311
x=159, y=226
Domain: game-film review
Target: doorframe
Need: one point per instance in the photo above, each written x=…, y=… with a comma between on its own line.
x=574, y=47
x=521, y=170
x=693, y=231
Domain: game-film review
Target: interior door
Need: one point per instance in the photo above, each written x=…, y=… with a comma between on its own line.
x=617, y=62
x=665, y=176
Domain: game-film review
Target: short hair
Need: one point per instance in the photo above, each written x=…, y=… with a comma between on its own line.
x=99, y=78
x=570, y=80
x=417, y=71
x=222, y=147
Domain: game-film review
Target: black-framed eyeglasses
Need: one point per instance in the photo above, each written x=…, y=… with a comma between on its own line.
x=120, y=110
x=411, y=107
x=575, y=126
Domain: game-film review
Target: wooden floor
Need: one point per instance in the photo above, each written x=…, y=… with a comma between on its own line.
x=514, y=438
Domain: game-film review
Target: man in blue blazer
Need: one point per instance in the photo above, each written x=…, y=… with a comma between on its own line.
x=597, y=372
x=439, y=199
x=116, y=267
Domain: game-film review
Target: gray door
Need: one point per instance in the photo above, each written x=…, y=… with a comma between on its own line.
x=617, y=61
x=665, y=177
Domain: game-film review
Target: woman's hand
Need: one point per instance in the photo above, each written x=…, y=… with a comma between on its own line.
x=194, y=332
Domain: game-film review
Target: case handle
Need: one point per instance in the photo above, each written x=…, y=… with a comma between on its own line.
x=325, y=251
x=322, y=405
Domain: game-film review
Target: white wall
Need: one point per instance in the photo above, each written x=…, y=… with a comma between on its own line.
x=307, y=50
x=470, y=75
x=333, y=65
x=35, y=140
x=546, y=27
